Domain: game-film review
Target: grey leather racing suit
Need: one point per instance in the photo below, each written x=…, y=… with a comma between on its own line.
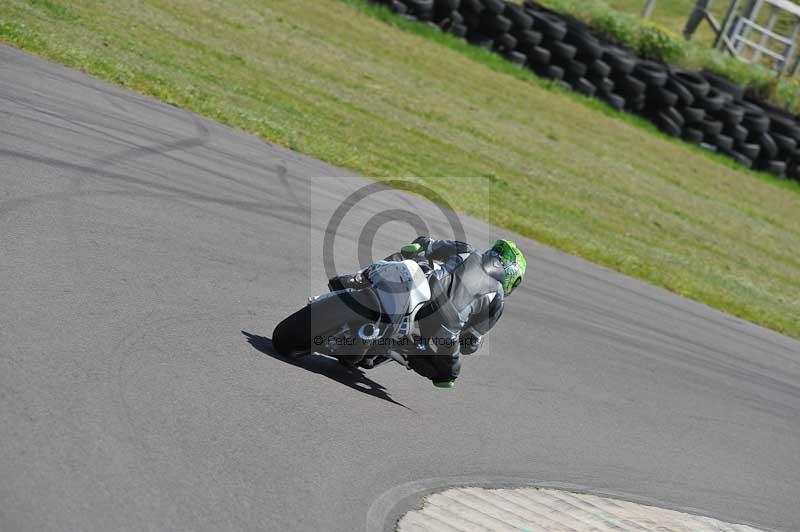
x=466, y=302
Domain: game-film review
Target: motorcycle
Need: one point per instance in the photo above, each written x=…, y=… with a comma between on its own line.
x=363, y=327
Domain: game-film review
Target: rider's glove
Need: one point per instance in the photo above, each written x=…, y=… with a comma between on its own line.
x=340, y=282
x=410, y=250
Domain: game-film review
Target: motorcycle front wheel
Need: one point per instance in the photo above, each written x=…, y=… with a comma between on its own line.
x=307, y=329
x=292, y=337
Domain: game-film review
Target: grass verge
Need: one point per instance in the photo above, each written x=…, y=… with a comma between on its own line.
x=352, y=85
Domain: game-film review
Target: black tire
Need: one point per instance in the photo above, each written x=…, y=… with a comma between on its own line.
x=583, y=86
x=495, y=25
x=398, y=7
x=528, y=38
x=473, y=6
x=447, y=22
x=785, y=143
x=749, y=149
x=292, y=336
x=709, y=147
x=772, y=109
x=685, y=96
x=446, y=6
x=693, y=115
x=561, y=51
x=604, y=86
x=769, y=148
x=573, y=69
x=422, y=9
x=504, y=43
x=636, y=103
x=675, y=116
x=666, y=124
x=614, y=100
x=793, y=167
x=471, y=20
x=693, y=81
x=444, y=14
x=539, y=56
x=723, y=142
x=731, y=115
x=652, y=73
x=550, y=25
x=774, y=167
x=553, y=72
x=589, y=48
x=629, y=86
x=711, y=127
x=693, y=135
x=459, y=30
x=518, y=58
x=757, y=124
x=738, y=132
x=784, y=126
x=777, y=168
x=661, y=97
x=599, y=69
x=723, y=85
x=494, y=6
x=479, y=39
x=711, y=102
x=727, y=99
x=520, y=20
x=741, y=158
x=620, y=60
x=755, y=119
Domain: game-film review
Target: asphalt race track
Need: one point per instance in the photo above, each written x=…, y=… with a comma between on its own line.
x=138, y=241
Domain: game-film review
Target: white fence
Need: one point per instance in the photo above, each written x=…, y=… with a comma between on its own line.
x=754, y=31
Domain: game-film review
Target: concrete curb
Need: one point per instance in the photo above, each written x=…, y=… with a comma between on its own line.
x=390, y=507
x=535, y=509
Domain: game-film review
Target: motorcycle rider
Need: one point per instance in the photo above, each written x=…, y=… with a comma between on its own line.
x=467, y=296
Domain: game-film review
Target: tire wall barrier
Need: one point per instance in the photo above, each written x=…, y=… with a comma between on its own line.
x=699, y=107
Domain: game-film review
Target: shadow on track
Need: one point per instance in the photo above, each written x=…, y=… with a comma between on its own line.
x=351, y=377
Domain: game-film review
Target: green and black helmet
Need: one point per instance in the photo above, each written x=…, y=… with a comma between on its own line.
x=513, y=261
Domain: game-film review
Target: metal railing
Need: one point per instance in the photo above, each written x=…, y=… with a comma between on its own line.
x=749, y=40
x=780, y=48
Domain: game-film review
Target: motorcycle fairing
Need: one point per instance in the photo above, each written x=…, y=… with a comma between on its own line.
x=402, y=289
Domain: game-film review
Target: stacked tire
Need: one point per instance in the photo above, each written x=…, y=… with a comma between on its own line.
x=550, y=55
x=487, y=26
x=448, y=18
x=780, y=141
x=659, y=102
x=699, y=107
x=421, y=10
x=628, y=92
